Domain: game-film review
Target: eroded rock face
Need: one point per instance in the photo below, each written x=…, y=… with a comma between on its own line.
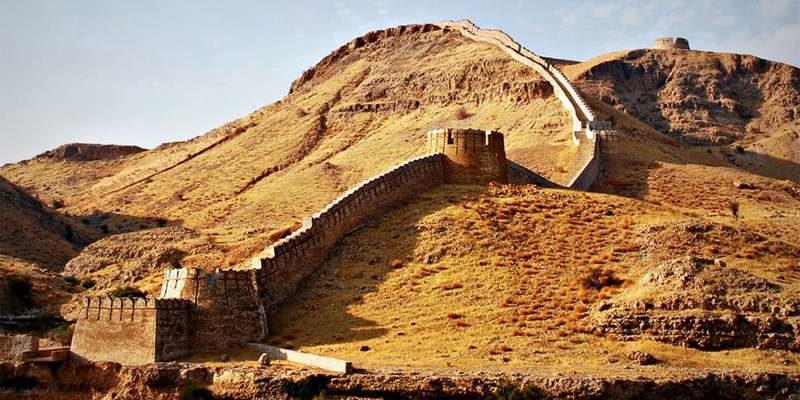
x=698, y=303
x=174, y=380
x=90, y=152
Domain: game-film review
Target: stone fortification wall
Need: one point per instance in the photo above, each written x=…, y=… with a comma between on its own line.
x=228, y=305
x=572, y=100
x=12, y=347
x=583, y=118
x=519, y=175
x=470, y=155
x=131, y=331
x=671, y=43
x=590, y=170
x=287, y=263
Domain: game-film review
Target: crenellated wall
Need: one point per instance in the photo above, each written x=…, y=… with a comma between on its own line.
x=202, y=311
x=285, y=265
x=583, y=118
x=132, y=331
x=471, y=156
x=228, y=305
x=671, y=43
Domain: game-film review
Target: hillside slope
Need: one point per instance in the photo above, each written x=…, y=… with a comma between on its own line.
x=706, y=98
x=362, y=109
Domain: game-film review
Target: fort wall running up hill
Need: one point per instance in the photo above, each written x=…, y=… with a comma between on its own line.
x=201, y=311
x=584, y=122
x=290, y=261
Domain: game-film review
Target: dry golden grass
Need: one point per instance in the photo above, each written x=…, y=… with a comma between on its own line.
x=515, y=258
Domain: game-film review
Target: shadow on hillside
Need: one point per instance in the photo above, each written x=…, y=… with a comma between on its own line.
x=626, y=169
x=319, y=313
x=637, y=149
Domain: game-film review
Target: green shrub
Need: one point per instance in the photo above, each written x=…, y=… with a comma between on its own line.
x=306, y=389
x=127, y=291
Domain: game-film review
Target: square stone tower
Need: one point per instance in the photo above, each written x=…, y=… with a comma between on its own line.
x=471, y=156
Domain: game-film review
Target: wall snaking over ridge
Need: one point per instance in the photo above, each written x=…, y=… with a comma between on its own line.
x=291, y=260
x=584, y=121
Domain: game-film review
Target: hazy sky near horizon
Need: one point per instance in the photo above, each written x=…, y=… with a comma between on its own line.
x=147, y=72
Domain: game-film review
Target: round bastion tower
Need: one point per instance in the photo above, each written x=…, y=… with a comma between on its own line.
x=470, y=155
x=671, y=43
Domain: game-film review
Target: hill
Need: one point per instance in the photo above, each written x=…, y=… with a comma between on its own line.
x=745, y=103
x=362, y=109
x=681, y=261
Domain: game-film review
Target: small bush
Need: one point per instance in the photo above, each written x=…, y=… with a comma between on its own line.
x=127, y=291
x=193, y=391
x=739, y=149
x=598, y=278
x=88, y=283
x=71, y=280
x=462, y=113
x=509, y=391
x=734, y=207
x=306, y=389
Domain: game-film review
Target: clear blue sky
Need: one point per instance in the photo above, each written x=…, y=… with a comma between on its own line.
x=146, y=72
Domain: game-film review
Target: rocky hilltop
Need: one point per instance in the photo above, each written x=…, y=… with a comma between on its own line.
x=90, y=152
x=701, y=97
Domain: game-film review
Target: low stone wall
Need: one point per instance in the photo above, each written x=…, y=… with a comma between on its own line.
x=312, y=360
x=131, y=331
x=12, y=347
x=591, y=167
x=519, y=175
x=287, y=263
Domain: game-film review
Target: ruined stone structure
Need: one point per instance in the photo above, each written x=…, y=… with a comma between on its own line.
x=201, y=311
x=671, y=43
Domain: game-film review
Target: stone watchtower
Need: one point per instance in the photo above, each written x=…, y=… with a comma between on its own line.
x=671, y=43
x=470, y=155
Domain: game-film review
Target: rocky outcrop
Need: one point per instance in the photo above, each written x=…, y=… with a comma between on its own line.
x=90, y=152
x=171, y=381
x=698, y=97
x=698, y=303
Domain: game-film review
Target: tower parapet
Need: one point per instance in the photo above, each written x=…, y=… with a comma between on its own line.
x=470, y=155
x=671, y=43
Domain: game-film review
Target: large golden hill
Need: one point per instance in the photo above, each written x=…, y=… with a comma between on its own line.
x=219, y=198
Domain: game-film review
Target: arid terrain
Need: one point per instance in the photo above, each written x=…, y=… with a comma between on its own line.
x=681, y=262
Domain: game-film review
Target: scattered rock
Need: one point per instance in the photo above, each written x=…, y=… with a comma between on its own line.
x=642, y=358
x=263, y=360
x=744, y=185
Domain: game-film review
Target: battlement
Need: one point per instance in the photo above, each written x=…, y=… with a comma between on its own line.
x=671, y=43
x=470, y=155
